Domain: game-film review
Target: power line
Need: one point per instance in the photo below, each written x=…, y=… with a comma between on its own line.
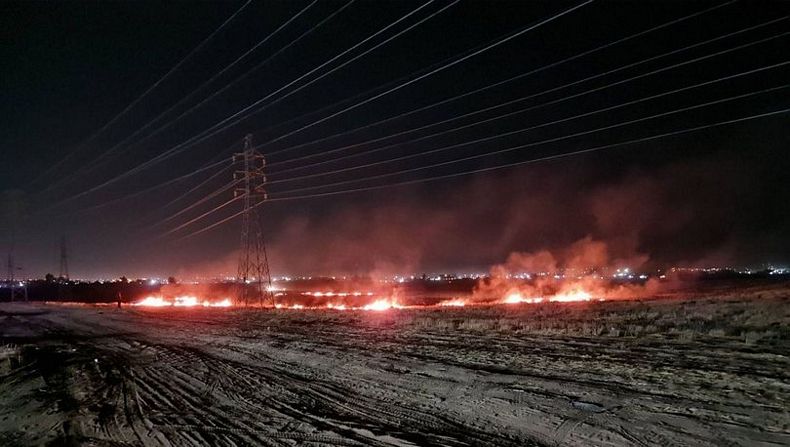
x=189, y=96
x=211, y=131
x=537, y=143
x=146, y=92
x=450, y=64
x=286, y=122
x=540, y=125
x=349, y=99
x=534, y=160
x=171, y=152
x=150, y=188
x=196, y=187
x=203, y=200
x=545, y=124
x=502, y=166
x=295, y=119
x=356, y=96
x=256, y=67
x=662, y=25
x=508, y=80
x=480, y=140
x=546, y=141
x=460, y=144
x=207, y=213
x=214, y=162
x=439, y=69
x=233, y=120
x=523, y=98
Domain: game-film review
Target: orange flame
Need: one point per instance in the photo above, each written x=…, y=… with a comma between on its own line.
x=571, y=296
x=516, y=298
x=153, y=301
x=382, y=304
x=181, y=301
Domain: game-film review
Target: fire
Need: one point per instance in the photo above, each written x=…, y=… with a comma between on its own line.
x=153, y=301
x=185, y=301
x=320, y=294
x=378, y=305
x=181, y=301
x=571, y=296
x=382, y=304
x=224, y=303
x=516, y=298
x=521, y=295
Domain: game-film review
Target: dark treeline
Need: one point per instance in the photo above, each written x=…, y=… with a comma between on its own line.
x=51, y=289
x=94, y=292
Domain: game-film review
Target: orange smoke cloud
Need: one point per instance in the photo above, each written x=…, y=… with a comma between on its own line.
x=579, y=272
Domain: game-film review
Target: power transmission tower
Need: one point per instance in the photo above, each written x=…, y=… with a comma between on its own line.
x=10, y=275
x=253, y=274
x=63, y=277
x=64, y=260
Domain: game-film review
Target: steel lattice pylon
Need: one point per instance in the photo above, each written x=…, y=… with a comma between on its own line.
x=64, y=260
x=253, y=274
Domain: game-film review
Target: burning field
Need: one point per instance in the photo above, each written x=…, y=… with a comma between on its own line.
x=702, y=367
x=581, y=272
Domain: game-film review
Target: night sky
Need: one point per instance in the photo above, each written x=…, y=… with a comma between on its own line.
x=715, y=196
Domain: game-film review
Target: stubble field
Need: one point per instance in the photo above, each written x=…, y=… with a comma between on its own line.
x=707, y=369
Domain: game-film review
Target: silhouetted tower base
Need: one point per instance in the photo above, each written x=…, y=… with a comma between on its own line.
x=253, y=274
x=10, y=277
x=63, y=278
x=64, y=260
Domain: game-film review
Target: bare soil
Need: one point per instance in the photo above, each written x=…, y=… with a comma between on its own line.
x=708, y=369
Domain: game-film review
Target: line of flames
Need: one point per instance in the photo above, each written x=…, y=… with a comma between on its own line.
x=182, y=301
x=382, y=304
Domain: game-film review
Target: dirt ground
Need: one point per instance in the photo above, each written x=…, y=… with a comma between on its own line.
x=701, y=370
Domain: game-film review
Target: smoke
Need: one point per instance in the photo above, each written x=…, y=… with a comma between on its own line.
x=579, y=271
x=378, y=240
x=671, y=211
x=696, y=213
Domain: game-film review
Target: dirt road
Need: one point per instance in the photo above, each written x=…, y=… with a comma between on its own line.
x=103, y=376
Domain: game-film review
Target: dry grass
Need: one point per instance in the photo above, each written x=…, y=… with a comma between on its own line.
x=750, y=317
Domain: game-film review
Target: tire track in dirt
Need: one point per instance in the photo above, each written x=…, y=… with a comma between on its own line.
x=218, y=422
x=341, y=397
x=303, y=379
x=609, y=386
x=191, y=407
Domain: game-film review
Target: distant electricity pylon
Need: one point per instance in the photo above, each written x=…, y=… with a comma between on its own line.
x=64, y=260
x=10, y=274
x=253, y=274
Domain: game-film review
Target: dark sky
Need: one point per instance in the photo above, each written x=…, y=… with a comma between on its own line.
x=715, y=196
